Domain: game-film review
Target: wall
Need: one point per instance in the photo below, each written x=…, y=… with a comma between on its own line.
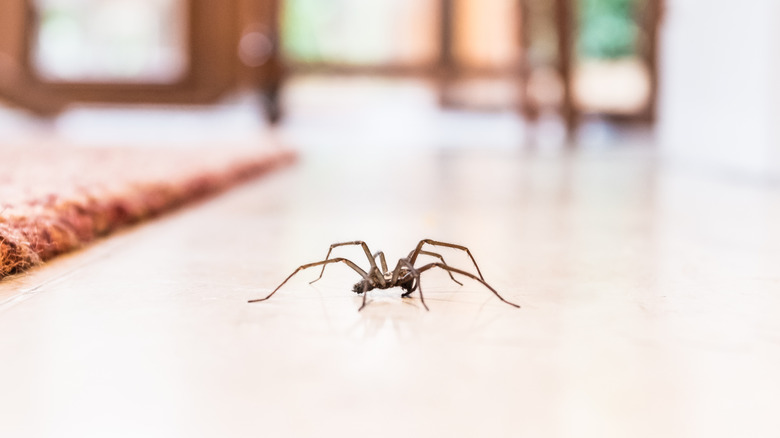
x=719, y=99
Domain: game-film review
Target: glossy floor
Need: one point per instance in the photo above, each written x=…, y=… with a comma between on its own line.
x=649, y=307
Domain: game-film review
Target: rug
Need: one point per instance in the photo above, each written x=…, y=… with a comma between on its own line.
x=57, y=199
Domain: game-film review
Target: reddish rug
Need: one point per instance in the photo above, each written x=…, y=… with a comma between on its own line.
x=56, y=199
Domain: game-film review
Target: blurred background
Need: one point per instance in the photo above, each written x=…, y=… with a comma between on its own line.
x=516, y=73
x=612, y=164
x=79, y=66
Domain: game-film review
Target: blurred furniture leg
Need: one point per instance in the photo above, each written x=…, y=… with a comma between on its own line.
x=274, y=72
x=564, y=17
x=651, y=21
x=528, y=109
x=259, y=46
x=446, y=67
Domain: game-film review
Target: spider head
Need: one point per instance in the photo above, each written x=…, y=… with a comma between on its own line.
x=361, y=285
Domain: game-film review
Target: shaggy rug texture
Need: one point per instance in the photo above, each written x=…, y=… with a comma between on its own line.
x=56, y=199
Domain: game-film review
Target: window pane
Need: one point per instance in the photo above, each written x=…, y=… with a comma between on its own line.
x=611, y=75
x=360, y=32
x=139, y=41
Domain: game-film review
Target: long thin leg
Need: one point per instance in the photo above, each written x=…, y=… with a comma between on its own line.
x=356, y=242
x=311, y=265
x=365, y=294
x=397, y=270
x=467, y=274
x=382, y=260
x=417, y=285
x=439, y=256
x=419, y=289
x=416, y=252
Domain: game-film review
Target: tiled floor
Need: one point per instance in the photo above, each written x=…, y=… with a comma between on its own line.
x=649, y=307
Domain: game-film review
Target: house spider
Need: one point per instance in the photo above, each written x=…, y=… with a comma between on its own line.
x=405, y=275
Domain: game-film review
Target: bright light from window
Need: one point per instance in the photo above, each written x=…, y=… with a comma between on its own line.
x=111, y=40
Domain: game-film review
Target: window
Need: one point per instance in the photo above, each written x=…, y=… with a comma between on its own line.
x=110, y=40
x=53, y=52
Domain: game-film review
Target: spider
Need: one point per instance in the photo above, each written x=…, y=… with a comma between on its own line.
x=405, y=275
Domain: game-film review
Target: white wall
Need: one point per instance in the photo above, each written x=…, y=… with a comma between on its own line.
x=719, y=97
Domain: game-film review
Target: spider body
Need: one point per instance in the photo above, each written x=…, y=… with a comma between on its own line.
x=405, y=275
x=405, y=281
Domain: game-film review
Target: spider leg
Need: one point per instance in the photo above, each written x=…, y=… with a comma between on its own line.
x=416, y=285
x=311, y=265
x=382, y=260
x=356, y=242
x=365, y=294
x=397, y=270
x=413, y=255
x=467, y=274
x=439, y=256
x=419, y=289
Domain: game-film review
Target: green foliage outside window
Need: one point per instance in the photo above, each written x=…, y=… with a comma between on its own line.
x=607, y=28
x=301, y=21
